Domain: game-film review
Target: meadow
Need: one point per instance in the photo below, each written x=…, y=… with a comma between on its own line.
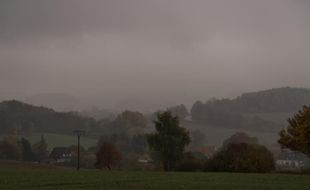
x=34, y=177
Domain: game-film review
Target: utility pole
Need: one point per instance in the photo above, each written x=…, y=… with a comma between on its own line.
x=79, y=133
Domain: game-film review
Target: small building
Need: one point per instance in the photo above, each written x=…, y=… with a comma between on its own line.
x=146, y=162
x=61, y=155
x=292, y=161
x=145, y=159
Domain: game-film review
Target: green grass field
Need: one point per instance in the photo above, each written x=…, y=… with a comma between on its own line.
x=15, y=176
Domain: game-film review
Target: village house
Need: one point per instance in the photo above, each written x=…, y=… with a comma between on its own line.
x=61, y=155
x=292, y=161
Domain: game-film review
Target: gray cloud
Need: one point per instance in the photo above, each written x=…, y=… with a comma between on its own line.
x=151, y=53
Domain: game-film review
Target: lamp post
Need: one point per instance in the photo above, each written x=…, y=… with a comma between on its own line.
x=79, y=133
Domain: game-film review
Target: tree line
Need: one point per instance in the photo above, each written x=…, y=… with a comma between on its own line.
x=167, y=144
x=24, y=119
x=21, y=118
x=268, y=101
x=20, y=149
x=229, y=113
x=239, y=153
x=208, y=115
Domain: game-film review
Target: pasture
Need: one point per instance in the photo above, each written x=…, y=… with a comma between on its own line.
x=34, y=177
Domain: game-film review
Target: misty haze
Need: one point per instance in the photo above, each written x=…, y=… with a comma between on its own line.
x=148, y=54
x=154, y=85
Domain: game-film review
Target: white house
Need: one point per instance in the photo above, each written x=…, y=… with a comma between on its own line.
x=292, y=161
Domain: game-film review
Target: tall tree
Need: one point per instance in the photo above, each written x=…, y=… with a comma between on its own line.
x=10, y=149
x=180, y=111
x=198, y=138
x=27, y=153
x=40, y=149
x=138, y=144
x=297, y=135
x=240, y=137
x=108, y=156
x=169, y=139
x=129, y=119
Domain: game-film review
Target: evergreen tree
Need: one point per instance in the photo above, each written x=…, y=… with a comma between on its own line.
x=297, y=135
x=27, y=153
x=40, y=149
x=169, y=139
x=10, y=149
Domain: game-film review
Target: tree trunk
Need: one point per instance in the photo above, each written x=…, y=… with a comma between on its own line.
x=109, y=167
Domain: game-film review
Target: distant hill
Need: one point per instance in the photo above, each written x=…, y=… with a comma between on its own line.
x=274, y=100
x=57, y=101
x=254, y=111
x=99, y=114
x=7, y=95
x=21, y=118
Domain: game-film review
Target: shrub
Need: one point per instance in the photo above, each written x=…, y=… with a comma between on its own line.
x=190, y=162
x=242, y=157
x=108, y=156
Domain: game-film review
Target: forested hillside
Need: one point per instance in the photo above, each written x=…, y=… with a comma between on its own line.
x=231, y=112
x=25, y=119
x=275, y=100
x=20, y=118
x=242, y=112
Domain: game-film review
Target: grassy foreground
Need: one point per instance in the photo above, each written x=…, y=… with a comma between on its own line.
x=20, y=177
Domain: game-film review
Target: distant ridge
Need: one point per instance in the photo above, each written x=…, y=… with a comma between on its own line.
x=286, y=99
x=57, y=101
x=252, y=111
x=22, y=118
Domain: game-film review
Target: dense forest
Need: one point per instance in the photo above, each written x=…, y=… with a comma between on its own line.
x=275, y=100
x=20, y=118
x=230, y=112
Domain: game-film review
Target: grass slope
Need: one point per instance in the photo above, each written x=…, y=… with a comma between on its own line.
x=34, y=178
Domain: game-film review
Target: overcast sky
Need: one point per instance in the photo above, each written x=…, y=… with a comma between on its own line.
x=149, y=53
